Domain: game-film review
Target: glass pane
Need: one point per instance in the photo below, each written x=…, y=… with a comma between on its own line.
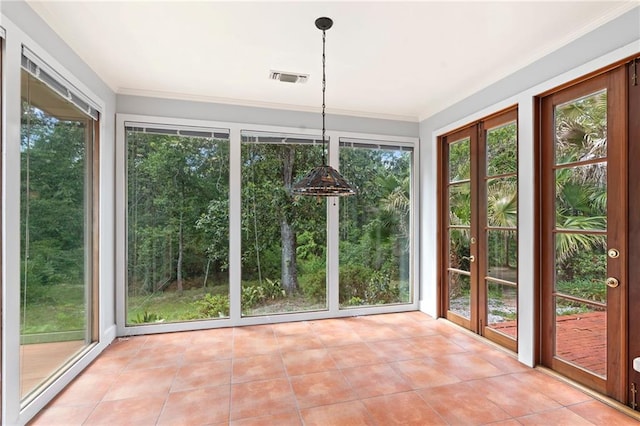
x=581, y=129
x=581, y=197
x=284, y=238
x=460, y=204
x=178, y=228
x=502, y=255
x=502, y=149
x=460, y=294
x=375, y=227
x=581, y=266
x=459, y=249
x=55, y=235
x=460, y=160
x=502, y=308
x=581, y=335
x=502, y=202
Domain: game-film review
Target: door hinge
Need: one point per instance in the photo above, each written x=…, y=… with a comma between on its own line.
x=634, y=76
x=634, y=396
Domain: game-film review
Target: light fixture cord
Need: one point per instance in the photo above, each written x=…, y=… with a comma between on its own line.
x=324, y=88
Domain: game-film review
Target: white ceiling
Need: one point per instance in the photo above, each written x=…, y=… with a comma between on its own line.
x=403, y=60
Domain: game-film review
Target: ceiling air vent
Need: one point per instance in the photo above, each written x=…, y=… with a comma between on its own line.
x=288, y=77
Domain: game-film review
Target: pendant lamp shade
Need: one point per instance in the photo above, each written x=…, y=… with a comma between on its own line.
x=324, y=180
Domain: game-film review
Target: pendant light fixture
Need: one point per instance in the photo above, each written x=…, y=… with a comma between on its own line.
x=324, y=180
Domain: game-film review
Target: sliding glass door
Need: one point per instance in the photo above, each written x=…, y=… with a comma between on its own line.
x=58, y=219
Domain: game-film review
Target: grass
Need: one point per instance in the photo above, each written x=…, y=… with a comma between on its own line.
x=169, y=306
x=56, y=308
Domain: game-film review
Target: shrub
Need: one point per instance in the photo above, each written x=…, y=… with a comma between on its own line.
x=147, y=317
x=354, y=280
x=381, y=290
x=314, y=286
x=259, y=293
x=212, y=306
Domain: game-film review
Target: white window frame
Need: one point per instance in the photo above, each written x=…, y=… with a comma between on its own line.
x=14, y=410
x=235, y=314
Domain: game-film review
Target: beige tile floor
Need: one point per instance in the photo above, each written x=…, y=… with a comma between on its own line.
x=387, y=369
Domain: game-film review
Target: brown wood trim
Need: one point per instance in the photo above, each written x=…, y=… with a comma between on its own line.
x=476, y=138
x=500, y=118
x=501, y=339
x=546, y=198
x=458, y=319
x=440, y=243
x=617, y=208
x=476, y=134
x=613, y=80
x=634, y=225
x=537, y=230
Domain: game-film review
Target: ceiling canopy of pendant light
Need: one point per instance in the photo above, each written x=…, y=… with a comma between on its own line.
x=324, y=180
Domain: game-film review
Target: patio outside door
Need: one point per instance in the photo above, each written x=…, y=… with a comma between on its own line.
x=584, y=232
x=479, y=222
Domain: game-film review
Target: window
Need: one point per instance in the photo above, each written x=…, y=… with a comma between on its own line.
x=213, y=231
x=375, y=225
x=284, y=238
x=58, y=219
x=177, y=223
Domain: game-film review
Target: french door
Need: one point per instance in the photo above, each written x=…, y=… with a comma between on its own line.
x=479, y=222
x=584, y=232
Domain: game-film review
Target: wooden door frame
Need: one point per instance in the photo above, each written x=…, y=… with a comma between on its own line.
x=500, y=118
x=614, y=82
x=443, y=252
x=476, y=132
x=634, y=225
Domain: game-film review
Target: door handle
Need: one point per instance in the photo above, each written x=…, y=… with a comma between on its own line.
x=613, y=282
x=472, y=258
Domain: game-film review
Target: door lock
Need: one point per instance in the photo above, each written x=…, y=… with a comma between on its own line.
x=613, y=282
x=613, y=253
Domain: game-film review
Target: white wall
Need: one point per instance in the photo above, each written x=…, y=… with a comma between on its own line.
x=609, y=43
x=192, y=110
x=24, y=27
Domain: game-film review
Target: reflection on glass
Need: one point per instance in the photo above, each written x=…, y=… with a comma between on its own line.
x=502, y=149
x=581, y=129
x=502, y=202
x=178, y=220
x=460, y=294
x=55, y=233
x=460, y=160
x=581, y=266
x=459, y=248
x=460, y=204
x=284, y=238
x=581, y=197
x=581, y=335
x=502, y=308
x=502, y=255
x=375, y=226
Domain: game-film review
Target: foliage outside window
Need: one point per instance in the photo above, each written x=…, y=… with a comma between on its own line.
x=56, y=232
x=375, y=225
x=283, y=237
x=178, y=225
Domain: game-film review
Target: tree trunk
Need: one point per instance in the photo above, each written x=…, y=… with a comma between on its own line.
x=180, y=254
x=289, y=274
